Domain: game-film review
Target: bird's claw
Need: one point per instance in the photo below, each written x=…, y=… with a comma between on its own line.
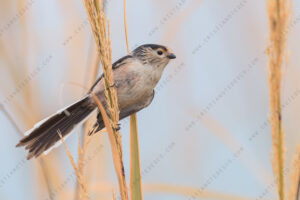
x=117, y=128
x=113, y=85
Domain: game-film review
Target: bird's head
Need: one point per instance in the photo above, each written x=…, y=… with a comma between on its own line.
x=153, y=54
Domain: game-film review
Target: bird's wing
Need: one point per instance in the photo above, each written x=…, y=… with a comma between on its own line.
x=122, y=61
x=99, y=125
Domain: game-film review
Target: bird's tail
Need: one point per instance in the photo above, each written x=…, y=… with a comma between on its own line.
x=45, y=134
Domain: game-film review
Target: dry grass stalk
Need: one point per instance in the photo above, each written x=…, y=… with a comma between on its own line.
x=117, y=158
x=80, y=179
x=100, y=29
x=82, y=148
x=90, y=79
x=29, y=93
x=135, y=164
x=81, y=162
x=114, y=195
x=278, y=13
x=30, y=89
x=295, y=177
x=125, y=26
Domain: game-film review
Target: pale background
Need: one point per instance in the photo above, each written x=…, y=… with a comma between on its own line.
x=221, y=69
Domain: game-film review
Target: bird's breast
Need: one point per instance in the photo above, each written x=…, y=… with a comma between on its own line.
x=136, y=84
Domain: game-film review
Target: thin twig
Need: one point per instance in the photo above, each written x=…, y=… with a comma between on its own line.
x=80, y=179
x=278, y=12
x=135, y=163
x=125, y=25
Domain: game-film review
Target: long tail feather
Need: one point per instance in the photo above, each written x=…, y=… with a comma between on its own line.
x=45, y=134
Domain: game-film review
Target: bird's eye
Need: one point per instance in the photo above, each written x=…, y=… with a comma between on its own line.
x=159, y=52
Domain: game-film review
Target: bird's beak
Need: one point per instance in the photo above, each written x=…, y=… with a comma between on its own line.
x=171, y=56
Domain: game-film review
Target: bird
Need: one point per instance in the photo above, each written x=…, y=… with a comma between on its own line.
x=135, y=77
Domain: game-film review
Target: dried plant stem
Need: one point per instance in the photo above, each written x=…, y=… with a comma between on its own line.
x=81, y=162
x=278, y=12
x=85, y=129
x=125, y=25
x=46, y=177
x=135, y=164
x=114, y=195
x=100, y=28
x=298, y=190
x=295, y=177
x=80, y=179
x=118, y=162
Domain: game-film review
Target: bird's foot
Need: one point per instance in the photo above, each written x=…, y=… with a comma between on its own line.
x=117, y=128
x=113, y=85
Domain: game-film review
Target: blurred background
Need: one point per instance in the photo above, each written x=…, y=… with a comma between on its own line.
x=206, y=134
